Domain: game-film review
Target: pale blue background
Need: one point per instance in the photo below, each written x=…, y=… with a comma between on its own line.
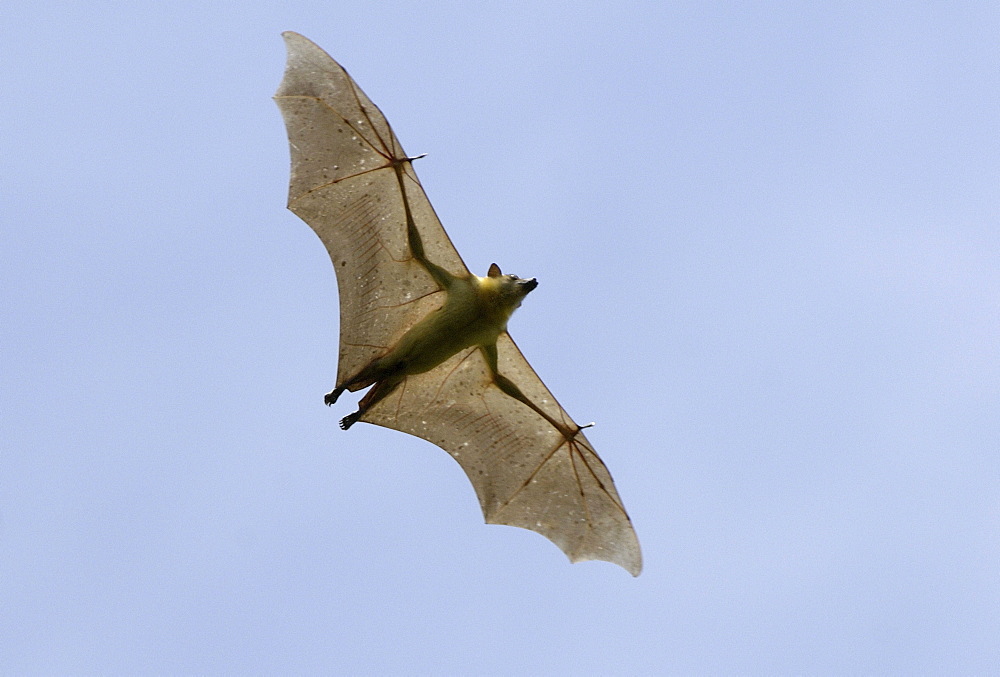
x=767, y=239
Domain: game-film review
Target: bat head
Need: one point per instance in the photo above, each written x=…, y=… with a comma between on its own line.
x=511, y=289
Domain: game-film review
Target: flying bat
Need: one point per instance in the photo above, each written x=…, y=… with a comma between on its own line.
x=428, y=337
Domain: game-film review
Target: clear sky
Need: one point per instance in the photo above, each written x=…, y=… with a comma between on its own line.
x=768, y=242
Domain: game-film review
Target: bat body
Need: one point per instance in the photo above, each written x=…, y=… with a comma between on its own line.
x=429, y=337
x=474, y=313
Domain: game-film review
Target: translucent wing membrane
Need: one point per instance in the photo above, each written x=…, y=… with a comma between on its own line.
x=526, y=474
x=344, y=186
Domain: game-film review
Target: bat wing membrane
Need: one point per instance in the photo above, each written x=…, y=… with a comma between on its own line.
x=344, y=185
x=525, y=473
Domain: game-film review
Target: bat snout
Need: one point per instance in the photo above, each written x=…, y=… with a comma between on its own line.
x=529, y=284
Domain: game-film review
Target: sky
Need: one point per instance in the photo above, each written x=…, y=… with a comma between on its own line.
x=767, y=238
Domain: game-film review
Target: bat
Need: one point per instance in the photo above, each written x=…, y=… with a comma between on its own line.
x=428, y=337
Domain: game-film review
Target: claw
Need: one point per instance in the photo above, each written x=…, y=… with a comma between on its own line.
x=349, y=420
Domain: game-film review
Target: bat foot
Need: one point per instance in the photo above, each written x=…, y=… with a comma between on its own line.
x=332, y=396
x=349, y=420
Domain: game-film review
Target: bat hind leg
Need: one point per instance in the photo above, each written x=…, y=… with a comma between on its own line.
x=332, y=396
x=350, y=420
x=379, y=391
x=366, y=377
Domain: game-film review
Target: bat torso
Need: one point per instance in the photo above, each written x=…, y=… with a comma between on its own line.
x=475, y=312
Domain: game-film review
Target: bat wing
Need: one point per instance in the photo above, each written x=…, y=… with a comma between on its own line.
x=525, y=473
x=344, y=185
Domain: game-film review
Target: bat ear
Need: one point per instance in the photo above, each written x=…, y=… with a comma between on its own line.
x=494, y=270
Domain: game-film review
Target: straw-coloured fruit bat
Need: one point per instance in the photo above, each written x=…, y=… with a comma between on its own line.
x=426, y=335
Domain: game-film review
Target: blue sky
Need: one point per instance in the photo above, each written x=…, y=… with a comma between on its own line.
x=767, y=240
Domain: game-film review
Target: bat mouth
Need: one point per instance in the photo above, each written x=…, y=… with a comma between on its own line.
x=529, y=284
